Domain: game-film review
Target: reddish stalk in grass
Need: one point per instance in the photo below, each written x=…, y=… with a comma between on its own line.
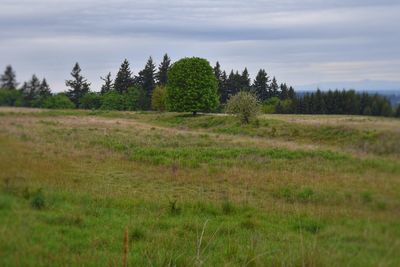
x=126, y=241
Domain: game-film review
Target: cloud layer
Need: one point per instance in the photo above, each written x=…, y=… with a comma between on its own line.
x=298, y=41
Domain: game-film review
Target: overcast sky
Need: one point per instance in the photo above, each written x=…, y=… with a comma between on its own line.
x=300, y=42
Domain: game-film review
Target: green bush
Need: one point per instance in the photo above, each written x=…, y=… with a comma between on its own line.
x=269, y=106
x=192, y=86
x=90, y=100
x=59, y=101
x=112, y=101
x=10, y=97
x=158, y=98
x=244, y=105
x=135, y=99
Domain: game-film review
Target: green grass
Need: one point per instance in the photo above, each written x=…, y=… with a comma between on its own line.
x=195, y=191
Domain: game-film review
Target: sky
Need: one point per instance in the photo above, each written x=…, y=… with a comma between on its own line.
x=298, y=41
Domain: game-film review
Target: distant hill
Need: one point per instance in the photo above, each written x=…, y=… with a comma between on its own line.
x=365, y=85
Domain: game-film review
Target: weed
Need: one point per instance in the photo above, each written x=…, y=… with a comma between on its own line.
x=227, y=207
x=366, y=197
x=38, y=200
x=173, y=207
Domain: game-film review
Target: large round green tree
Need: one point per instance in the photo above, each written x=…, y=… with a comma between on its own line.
x=192, y=86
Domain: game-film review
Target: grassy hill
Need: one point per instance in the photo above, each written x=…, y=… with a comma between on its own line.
x=287, y=190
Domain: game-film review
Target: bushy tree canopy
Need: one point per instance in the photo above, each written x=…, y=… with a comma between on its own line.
x=192, y=86
x=244, y=105
x=158, y=98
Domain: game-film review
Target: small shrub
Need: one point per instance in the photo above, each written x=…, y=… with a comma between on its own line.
x=38, y=200
x=137, y=234
x=59, y=101
x=306, y=194
x=308, y=224
x=244, y=105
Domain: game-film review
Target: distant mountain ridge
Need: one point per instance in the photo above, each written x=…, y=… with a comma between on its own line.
x=364, y=85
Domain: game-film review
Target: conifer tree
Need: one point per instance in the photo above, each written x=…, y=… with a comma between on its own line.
x=108, y=84
x=44, y=89
x=124, y=79
x=291, y=93
x=30, y=90
x=398, y=111
x=260, y=85
x=78, y=84
x=146, y=79
x=284, y=94
x=245, y=80
x=8, y=79
x=162, y=74
x=273, y=88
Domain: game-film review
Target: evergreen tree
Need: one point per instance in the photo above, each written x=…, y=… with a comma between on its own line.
x=221, y=78
x=8, y=79
x=284, y=92
x=146, y=79
x=223, y=89
x=44, y=89
x=108, y=84
x=291, y=93
x=163, y=68
x=79, y=85
x=30, y=90
x=124, y=79
x=260, y=85
x=273, y=88
x=245, y=80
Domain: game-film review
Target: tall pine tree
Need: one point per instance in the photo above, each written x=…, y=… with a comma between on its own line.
x=30, y=90
x=78, y=85
x=8, y=79
x=273, y=88
x=146, y=79
x=108, y=84
x=260, y=85
x=221, y=78
x=162, y=74
x=245, y=80
x=44, y=89
x=124, y=79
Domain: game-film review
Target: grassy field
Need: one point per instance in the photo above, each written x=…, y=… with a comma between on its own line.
x=286, y=190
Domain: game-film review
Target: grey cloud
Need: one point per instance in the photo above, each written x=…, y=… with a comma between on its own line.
x=296, y=40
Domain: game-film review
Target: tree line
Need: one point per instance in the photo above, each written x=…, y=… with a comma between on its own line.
x=146, y=91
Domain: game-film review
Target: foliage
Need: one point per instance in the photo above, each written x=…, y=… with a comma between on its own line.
x=162, y=74
x=8, y=79
x=124, y=78
x=191, y=86
x=269, y=106
x=135, y=99
x=146, y=80
x=244, y=105
x=78, y=85
x=112, y=100
x=90, y=100
x=10, y=97
x=108, y=84
x=58, y=101
x=158, y=98
x=342, y=102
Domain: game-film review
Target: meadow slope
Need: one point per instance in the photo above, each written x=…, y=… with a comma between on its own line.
x=287, y=190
